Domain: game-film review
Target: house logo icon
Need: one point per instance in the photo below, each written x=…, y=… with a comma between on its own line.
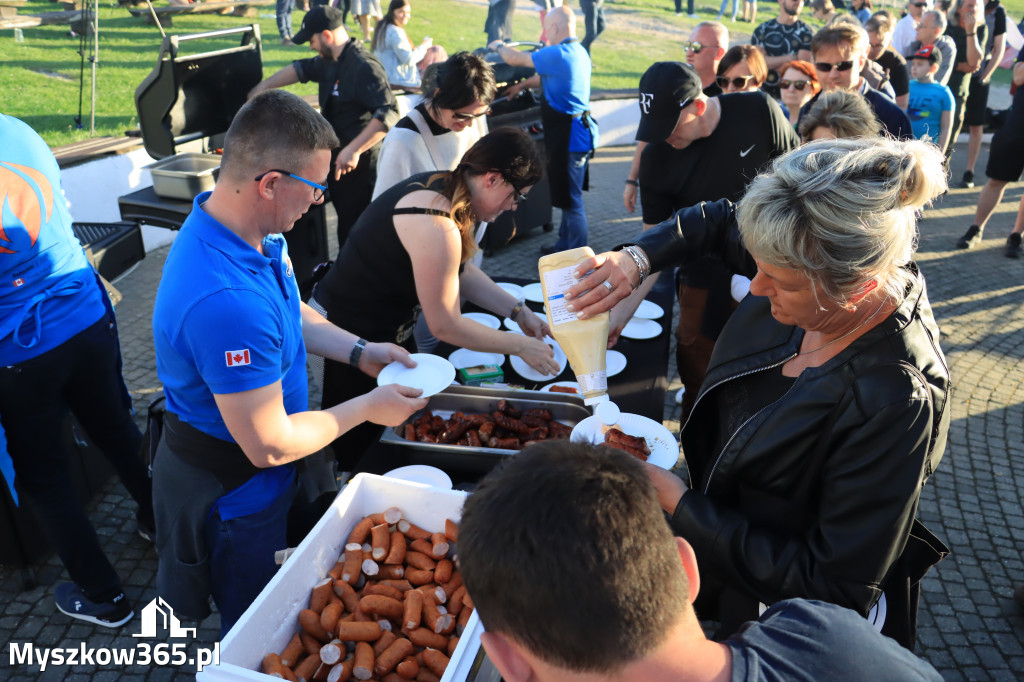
x=159, y=609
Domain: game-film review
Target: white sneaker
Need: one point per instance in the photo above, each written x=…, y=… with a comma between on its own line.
x=679, y=395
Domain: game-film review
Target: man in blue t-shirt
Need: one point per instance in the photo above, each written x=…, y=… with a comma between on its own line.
x=931, y=104
x=59, y=352
x=576, y=575
x=231, y=334
x=570, y=134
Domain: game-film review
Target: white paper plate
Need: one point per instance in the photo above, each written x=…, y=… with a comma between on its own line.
x=664, y=447
x=562, y=384
x=463, y=357
x=432, y=477
x=649, y=310
x=740, y=287
x=614, y=362
x=433, y=374
x=639, y=328
x=484, y=319
x=512, y=326
x=529, y=373
x=512, y=289
x=534, y=292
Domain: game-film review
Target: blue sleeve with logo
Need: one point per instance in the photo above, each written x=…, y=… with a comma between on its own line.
x=235, y=342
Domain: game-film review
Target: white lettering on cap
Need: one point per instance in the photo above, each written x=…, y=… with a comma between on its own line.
x=646, y=99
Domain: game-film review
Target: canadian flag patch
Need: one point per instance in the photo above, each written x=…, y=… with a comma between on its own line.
x=234, y=358
x=19, y=282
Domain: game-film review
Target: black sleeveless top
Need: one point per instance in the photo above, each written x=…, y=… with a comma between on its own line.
x=370, y=291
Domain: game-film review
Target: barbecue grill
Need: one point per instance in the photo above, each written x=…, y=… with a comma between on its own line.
x=195, y=96
x=112, y=248
x=189, y=97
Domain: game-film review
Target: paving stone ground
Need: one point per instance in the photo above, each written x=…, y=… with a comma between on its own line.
x=969, y=628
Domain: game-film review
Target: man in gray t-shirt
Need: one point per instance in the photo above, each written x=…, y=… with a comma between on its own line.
x=931, y=30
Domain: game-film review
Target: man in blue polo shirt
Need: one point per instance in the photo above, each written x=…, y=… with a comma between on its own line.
x=231, y=335
x=570, y=134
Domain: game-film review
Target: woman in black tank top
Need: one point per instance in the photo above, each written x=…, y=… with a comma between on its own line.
x=409, y=251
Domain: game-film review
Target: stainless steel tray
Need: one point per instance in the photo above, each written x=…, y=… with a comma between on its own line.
x=565, y=407
x=183, y=176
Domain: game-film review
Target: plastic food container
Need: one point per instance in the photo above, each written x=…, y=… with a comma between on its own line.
x=183, y=176
x=272, y=619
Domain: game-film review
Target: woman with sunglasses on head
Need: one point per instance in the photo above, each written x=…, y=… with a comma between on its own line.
x=742, y=69
x=409, y=253
x=798, y=85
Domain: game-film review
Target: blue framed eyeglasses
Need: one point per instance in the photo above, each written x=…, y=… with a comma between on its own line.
x=318, y=189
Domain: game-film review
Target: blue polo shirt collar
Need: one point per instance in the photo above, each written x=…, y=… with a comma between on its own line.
x=238, y=250
x=226, y=241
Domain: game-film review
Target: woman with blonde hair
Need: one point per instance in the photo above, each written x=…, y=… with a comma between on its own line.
x=836, y=115
x=408, y=255
x=825, y=406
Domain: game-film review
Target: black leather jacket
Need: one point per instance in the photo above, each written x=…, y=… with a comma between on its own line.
x=814, y=495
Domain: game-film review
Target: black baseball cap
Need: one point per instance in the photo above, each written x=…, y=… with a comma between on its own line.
x=665, y=89
x=320, y=18
x=930, y=53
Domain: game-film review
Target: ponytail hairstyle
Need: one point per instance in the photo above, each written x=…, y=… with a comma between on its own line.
x=843, y=212
x=508, y=151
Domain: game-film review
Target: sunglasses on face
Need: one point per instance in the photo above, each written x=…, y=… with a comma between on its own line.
x=799, y=85
x=694, y=46
x=459, y=116
x=919, y=4
x=739, y=82
x=825, y=67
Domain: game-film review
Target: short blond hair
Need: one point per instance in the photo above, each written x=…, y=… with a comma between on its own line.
x=838, y=34
x=846, y=114
x=843, y=212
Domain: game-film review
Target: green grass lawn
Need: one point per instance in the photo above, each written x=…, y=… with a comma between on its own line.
x=39, y=78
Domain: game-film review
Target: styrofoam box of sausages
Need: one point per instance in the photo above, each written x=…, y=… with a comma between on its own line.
x=270, y=622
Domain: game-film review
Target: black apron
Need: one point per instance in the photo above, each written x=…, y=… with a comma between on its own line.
x=557, y=131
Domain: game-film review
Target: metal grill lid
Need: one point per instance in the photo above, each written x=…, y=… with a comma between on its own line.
x=191, y=96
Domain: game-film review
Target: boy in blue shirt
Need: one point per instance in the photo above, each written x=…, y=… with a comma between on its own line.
x=931, y=103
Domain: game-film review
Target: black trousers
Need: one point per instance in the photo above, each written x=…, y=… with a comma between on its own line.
x=498, y=24
x=82, y=375
x=593, y=21
x=351, y=194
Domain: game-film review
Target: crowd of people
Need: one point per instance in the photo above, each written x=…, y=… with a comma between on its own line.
x=816, y=408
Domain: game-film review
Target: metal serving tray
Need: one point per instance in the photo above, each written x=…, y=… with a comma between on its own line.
x=565, y=407
x=183, y=176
